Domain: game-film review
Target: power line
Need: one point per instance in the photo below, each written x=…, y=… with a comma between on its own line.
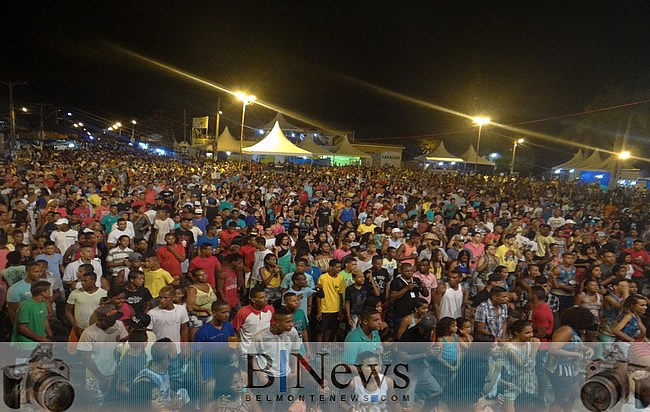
x=562, y=116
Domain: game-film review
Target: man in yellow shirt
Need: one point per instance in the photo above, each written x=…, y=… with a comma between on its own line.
x=366, y=227
x=330, y=308
x=508, y=253
x=155, y=278
x=543, y=240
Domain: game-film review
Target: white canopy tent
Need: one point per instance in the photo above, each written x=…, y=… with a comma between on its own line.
x=344, y=148
x=227, y=143
x=471, y=157
x=309, y=145
x=439, y=154
x=284, y=124
x=577, y=158
x=593, y=162
x=276, y=143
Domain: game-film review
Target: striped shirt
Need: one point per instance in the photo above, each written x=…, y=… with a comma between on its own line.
x=118, y=254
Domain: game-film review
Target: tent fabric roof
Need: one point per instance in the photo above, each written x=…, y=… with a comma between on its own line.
x=593, y=162
x=276, y=143
x=227, y=143
x=610, y=163
x=577, y=158
x=470, y=156
x=284, y=123
x=344, y=148
x=309, y=144
x=440, y=154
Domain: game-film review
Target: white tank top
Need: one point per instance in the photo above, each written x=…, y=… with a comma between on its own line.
x=376, y=400
x=394, y=243
x=451, y=302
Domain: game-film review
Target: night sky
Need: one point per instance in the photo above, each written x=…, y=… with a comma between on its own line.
x=514, y=61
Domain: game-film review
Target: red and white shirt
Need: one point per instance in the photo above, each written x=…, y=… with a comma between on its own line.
x=248, y=321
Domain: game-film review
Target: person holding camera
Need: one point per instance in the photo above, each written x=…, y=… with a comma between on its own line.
x=404, y=293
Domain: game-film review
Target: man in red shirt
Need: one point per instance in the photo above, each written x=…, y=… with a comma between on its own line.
x=541, y=316
x=226, y=236
x=640, y=262
x=230, y=280
x=248, y=252
x=208, y=262
x=171, y=255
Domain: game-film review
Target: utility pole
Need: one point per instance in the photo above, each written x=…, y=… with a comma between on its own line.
x=42, y=133
x=216, y=129
x=12, y=114
x=184, y=125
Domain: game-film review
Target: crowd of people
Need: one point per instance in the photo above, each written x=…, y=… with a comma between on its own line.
x=106, y=245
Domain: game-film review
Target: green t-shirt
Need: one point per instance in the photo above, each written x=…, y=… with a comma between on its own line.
x=33, y=314
x=356, y=342
x=347, y=277
x=300, y=323
x=108, y=221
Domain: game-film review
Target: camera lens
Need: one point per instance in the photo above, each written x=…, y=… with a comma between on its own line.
x=53, y=392
x=602, y=391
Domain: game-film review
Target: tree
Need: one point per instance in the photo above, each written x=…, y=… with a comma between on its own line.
x=428, y=145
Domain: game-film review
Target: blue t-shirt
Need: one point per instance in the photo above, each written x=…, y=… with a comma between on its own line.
x=201, y=223
x=203, y=239
x=53, y=263
x=213, y=345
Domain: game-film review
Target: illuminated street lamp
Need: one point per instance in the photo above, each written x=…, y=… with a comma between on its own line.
x=246, y=100
x=80, y=124
x=514, y=150
x=133, y=123
x=480, y=121
x=624, y=155
x=24, y=109
x=110, y=128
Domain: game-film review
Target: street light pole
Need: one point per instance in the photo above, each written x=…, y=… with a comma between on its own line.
x=480, y=121
x=216, y=129
x=246, y=100
x=133, y=123
x=12, y=114
x=241, y=131
x=514, y=150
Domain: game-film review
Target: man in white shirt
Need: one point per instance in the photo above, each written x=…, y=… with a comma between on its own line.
x=81, y=304
x=169, y=320
x=556, y=220
x=278, y=341
x=162, y=225
x=97, y=345
x=121, y=229
x=63, y=237
x=71, y=273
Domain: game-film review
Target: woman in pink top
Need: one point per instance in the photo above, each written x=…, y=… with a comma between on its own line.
x=277, y=227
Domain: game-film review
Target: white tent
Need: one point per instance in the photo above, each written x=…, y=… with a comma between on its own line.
x=344, y=148
x=227, y=143
x=577, y=158
x=310, y=145
x=276, y=143
x=611, y=162
x=284, y=124
x=440, y=154
x=593, y=162
x=470, y=156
